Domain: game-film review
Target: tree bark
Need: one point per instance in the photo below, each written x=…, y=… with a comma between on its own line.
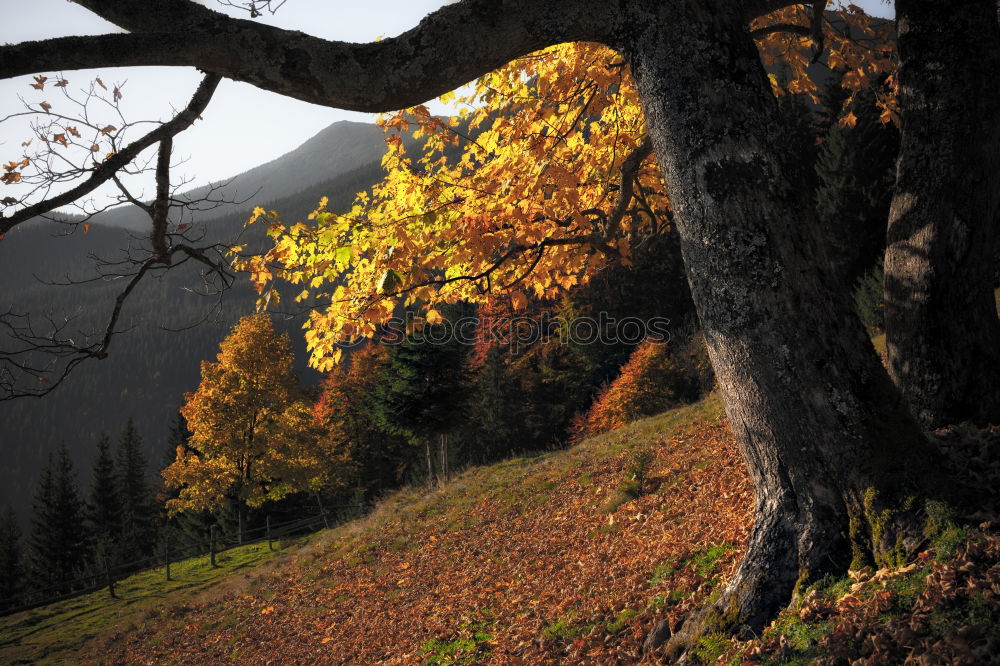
x=838, y=463
x=430, y=465
x=942, y=331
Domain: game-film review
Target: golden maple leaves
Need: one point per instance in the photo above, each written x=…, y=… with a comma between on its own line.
x=856, y=45
x=499, y=198
x=513, y=193
x=252, y=431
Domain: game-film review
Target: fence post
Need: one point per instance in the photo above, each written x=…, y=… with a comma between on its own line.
x=111, y=581
x=211, y=544
x=166, y=552
x=322, y=511
x=267, y=527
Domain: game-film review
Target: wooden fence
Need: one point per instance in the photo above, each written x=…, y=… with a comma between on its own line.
x=215, y=543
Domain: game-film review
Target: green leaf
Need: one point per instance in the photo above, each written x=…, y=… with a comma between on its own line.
x=342, y=255
x=390, y=281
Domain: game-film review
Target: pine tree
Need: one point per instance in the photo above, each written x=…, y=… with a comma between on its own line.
x=424, y=391
x=104, y=506
x=11, y=562
x=495, y=410
x=188, y=529
x=137, y=513
x=58, y=537
x=855, y=172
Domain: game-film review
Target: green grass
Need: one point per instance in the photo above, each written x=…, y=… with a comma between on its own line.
x=706, y=562
x=664, y=571
x=54, y=633
x=566, y=628
x=465, y=649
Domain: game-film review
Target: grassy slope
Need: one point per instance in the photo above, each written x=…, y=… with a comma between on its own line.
x=555, y=558
x=550, y=558
x=54, y=633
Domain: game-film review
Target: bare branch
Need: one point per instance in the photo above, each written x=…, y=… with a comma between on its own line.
x=161, y=206
x=110, y=167
x=255, y=7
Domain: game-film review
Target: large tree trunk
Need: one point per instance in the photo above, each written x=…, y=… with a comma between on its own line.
x=837, y=461
x=942, y=331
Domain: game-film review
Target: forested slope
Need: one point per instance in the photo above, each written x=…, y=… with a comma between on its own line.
x=149, y=367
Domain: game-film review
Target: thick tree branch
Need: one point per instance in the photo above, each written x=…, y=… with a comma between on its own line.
x=392, y=74
x=761, y=33
x=629, y=169
x=108, y=169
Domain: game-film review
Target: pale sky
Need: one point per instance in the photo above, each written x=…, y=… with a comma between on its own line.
x=243, y=126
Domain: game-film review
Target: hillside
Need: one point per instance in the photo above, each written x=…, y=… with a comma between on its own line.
x=566, y=557
x=149, y=367
x=542, y=557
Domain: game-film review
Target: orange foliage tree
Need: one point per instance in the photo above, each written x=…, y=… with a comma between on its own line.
x=655, y=378
x=344, y=414
x=253, y=435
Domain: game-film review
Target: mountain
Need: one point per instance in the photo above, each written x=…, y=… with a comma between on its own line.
x=338, y=149
x=149, y=367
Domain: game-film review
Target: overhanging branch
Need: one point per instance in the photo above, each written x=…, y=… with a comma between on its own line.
x=391, y=74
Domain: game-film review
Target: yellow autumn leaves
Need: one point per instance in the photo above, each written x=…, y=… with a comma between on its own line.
x=253, y=434
x=512, y=195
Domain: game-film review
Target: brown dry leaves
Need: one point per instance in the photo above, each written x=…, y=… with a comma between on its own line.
x=518, y=559
x=952, y=620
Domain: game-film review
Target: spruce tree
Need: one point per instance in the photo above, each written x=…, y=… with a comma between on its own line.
x=496, y=408
x=11, y=562
x=58, y=537
x=424, y=390
x=137, y=512
x=855, y=172
x=188, y=529
x=104, y=506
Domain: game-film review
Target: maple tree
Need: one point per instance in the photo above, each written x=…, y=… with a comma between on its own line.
x=840, y=467
x=253, y=436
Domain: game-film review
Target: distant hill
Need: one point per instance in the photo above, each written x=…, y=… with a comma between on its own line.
x=150, y=368
x=342, y=147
